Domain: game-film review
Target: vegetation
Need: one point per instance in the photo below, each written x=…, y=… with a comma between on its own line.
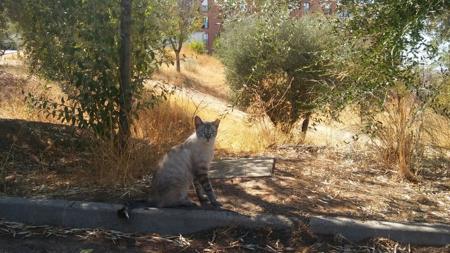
x=181, y=20
x=3, y=29
x=197, y=46
x=376, y=83
x=276, y=63
x=384, y=70
x=78, y=46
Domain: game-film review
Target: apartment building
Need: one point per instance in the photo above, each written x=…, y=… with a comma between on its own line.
x=212, y=22
x=326, y=7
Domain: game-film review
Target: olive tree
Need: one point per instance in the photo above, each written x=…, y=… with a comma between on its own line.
x=77, y=43
x=278, y=63
x=389, y=48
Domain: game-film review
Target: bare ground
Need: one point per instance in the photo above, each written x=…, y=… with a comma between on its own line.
x=20, y=238
x=326, y=181
x=50, y=160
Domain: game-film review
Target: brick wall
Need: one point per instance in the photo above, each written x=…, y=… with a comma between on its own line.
x=214, y=24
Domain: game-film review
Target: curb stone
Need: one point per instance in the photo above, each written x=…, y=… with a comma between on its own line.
x=77, y=214
x=356, y=230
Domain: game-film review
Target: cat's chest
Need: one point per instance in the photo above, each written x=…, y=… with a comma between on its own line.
x=202, y=154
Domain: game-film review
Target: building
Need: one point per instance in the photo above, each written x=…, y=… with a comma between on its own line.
x=212, y=22
x=326, y=7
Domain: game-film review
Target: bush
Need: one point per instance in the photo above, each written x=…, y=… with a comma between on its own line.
x=197, y=46
x=77, y=45
x=275, y=62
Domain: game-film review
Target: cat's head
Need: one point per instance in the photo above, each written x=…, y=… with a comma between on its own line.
x=206, y=130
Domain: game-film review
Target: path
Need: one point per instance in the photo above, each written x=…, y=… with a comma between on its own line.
x=320, y=133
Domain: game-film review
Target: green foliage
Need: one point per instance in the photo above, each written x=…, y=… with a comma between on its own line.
x=197, y=46
x=441, y=102
x=3, y=29
x=278, y=63
x=76, y=43
x=384, y=70
x=387, y=41
x=180, y=19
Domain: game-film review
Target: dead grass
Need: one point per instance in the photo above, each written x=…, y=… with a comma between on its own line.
x=333, y=182
x=202, y=72
x=307, y=179
x=13, y=80
x=18, y=238
x=236, y=135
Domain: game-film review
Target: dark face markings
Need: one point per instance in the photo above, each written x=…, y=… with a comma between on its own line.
x=206, y=131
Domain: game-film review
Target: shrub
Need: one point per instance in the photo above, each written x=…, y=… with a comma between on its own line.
x=197, y=46
x=276, y=62
x=77, y=45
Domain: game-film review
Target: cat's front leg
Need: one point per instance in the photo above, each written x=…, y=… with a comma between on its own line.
x=200, y=193
x=202, y=177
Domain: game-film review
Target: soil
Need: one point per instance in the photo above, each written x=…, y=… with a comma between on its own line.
x=50, y=160
x=54, y=161
x=19, y=238
x=325, y=181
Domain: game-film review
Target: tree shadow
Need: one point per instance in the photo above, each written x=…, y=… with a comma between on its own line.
x=290, y=193
x=305, y=202
x=28, y=145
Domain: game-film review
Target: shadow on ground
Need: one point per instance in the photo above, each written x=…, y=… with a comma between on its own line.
x=43, y=159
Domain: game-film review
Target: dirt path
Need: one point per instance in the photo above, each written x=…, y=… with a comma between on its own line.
x=201, y=99
x=319, y=134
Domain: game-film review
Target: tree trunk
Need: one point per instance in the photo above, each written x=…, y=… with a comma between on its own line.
x=305, y=123
x=125, y=74
x=177, y=60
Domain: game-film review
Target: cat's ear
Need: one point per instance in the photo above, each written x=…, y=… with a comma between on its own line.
x=216, y=123
x=198, y=121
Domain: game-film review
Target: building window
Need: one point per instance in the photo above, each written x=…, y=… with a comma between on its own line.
x=204, y=6
x=306, y=7
x=205, y=23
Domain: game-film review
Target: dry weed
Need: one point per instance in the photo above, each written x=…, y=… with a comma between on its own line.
x=113, y=168
x=398, y=133
x=202, y=72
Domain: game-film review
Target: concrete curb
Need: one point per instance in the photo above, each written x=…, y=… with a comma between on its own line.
x=355, y=230
x=76, y=214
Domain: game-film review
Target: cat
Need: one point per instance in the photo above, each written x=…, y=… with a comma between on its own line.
x=184, y=165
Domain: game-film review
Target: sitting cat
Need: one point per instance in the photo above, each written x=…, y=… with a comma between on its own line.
x=184, y=165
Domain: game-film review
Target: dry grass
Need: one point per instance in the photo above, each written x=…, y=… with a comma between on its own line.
x=436, y=131
x=202, y=72
x=170, y=122
x=406, y=132
x=15, y=78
